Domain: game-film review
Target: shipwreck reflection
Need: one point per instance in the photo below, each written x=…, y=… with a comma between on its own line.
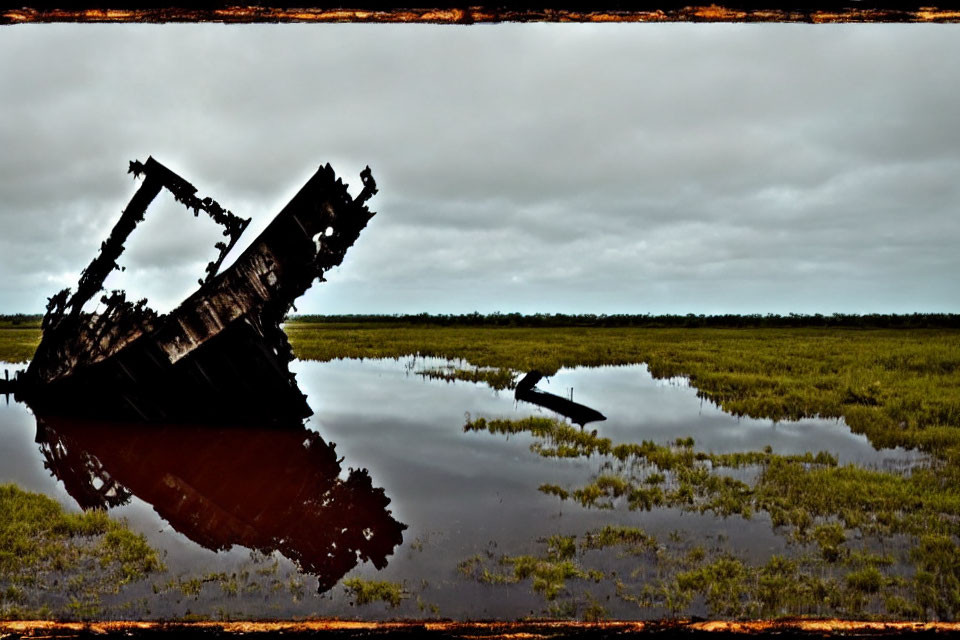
x=265, y=489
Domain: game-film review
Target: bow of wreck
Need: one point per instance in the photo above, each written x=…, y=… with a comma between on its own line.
x=221, y=355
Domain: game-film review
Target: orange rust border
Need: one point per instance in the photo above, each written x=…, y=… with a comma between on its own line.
x=525, y=629
x=474, y=14
x=241, y=14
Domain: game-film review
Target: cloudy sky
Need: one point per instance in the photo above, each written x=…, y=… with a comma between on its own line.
x=526, y=167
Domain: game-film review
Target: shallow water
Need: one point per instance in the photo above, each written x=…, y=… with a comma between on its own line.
x=207, y=497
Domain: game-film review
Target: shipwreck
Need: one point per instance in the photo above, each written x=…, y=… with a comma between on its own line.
x=221, y=356
x=580, y=414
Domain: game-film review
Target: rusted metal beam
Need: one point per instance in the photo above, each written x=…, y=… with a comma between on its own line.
x=92, y=278
x=185, y=194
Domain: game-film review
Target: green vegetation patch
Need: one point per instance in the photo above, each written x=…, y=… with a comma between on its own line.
x=499, y=379
x=899, y=387
x=18, y=344
x=632, y=538
x=821, y=505
x=368, y=591
x=548, y=575
x=797, y=491
x=668, y=578
x=82, y=556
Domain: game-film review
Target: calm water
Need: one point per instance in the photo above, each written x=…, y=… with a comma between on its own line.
x=383, y=483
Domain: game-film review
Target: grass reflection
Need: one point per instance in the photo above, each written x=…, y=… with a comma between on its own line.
x=820, y=506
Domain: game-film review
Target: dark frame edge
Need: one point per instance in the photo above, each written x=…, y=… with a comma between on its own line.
x=582, y=12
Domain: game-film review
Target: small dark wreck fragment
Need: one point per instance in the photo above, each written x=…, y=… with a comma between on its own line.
x=579, y=413
x=221, y=355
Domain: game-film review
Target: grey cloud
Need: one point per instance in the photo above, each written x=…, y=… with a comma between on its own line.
x=530, y=167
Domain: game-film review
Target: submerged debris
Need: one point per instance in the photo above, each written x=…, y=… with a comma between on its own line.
x=221, y=355
x=527, y=391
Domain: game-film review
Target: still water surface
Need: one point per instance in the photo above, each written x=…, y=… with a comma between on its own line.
x=383, y=483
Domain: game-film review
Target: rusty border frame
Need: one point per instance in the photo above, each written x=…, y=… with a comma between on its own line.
x=478, y=630
x=372, y=11
x=822, y=12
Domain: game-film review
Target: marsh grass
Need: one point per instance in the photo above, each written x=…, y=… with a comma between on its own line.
x=365, y=591
x=899, y=387
x=17, y=344
x=238, y=594
x=671, y=577
x=83, y=556
x=548, y=575
x=498, y=379
x=796, y=490
x=819, y=505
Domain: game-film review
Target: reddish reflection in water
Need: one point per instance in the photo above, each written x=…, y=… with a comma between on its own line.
x=276, y=489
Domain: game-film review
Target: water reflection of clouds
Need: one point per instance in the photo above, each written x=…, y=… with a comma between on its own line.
x=465, y=491
x=640, y=407
x=637, y=406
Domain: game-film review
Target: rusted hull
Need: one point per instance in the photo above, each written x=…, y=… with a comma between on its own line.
x=233, y=376
x=221, y=356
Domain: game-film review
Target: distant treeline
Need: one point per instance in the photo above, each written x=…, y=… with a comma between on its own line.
x=866, y=321
x=21, y=320
x=872, y=320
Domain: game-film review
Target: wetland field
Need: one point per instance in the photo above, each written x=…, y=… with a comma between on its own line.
x=740, y=473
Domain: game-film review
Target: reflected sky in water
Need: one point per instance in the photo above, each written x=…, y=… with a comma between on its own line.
x=438, y=495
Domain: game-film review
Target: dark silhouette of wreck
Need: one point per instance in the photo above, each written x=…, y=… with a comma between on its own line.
x=262, y=488
x=580, y=414
x=221, y=355
x=196, y=411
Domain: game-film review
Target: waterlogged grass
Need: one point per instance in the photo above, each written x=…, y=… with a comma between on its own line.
x=231, y=584
x=263, y=585
x=548, y=575
x=81, y=556
x=498, y=379
x=565, y=441
x=797, y=491
x=667, y=578
x=819, y=505
x=899, y=387
x=62, y=565
x=365, y=591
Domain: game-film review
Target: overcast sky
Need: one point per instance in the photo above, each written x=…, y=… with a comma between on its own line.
x=523, y=167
